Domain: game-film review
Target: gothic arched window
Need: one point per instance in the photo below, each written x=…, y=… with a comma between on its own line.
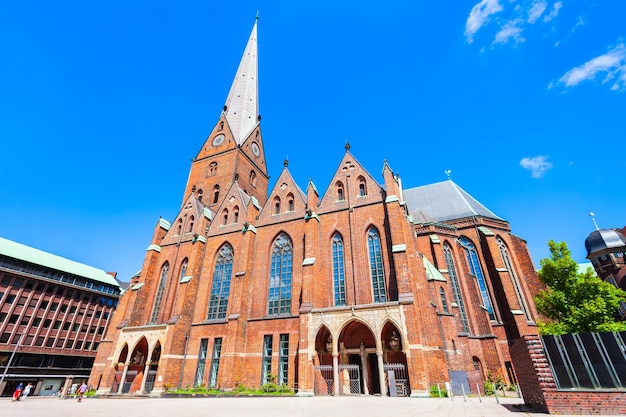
x=216, y=194
x=477, y=272
x=190, y=224
x=339, y=279
x=290, y=202
x=456, y=288
x=159, y=294
x=183, y=269
x=212, y=169
x=279, y=301
x=224, y=217
x=516, y=284
x=444, y=300
x=220, y=288
x=236, y=214
x=179, y=227
x=340, y=193
x=362, y=187
x=376, y=266
x=276, y=205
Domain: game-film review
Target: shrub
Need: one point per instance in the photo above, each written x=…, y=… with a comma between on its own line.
x=436, y=391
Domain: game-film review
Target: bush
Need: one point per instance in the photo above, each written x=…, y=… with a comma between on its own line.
x=436, y=391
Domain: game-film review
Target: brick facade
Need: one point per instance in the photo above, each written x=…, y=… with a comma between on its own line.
x=228, y=207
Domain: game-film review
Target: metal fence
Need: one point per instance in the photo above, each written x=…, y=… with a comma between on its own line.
x=397, y=379
x=324, y=381
x=349, y=379
x=587, y=360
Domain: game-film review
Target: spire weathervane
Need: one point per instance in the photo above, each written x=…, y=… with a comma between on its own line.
x=447, y=172
x=593, y=219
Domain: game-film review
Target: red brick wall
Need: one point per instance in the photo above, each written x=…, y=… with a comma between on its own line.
x=540, y=391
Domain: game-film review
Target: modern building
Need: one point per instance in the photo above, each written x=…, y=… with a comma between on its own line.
x=364, y=287
x=53, y=314
x=606, y=249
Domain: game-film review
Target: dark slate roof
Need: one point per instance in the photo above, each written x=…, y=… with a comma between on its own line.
x=602, y=239
x=443, y=201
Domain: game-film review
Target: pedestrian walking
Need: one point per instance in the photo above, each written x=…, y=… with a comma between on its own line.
x=81, y=391
x=26, y=391
x=18, y=392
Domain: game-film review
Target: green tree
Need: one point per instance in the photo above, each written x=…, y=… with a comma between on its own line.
x=573, y=302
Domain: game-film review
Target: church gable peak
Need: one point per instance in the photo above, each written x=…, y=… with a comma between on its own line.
x=286, y=201
x=219, y=140
x=189, y=222
x=231, y=213
x=351, y=185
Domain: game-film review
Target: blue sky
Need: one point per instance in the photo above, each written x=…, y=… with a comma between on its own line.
x=103, y=105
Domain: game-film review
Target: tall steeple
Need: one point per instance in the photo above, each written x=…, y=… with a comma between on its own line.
x=242, y=109
x=233, y=151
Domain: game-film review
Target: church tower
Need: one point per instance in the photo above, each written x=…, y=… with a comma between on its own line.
x=233, y=151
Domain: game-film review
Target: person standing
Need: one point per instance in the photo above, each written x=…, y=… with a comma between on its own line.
x=18, y=392
x=26, y=391
x=81, y=391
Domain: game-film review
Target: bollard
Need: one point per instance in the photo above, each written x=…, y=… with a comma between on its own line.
x=463, y=389
x=495, y=392
x=519, y=394
x=439, y=391
x=480, y=399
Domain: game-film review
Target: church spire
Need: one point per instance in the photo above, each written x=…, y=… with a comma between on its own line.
x=242, y=109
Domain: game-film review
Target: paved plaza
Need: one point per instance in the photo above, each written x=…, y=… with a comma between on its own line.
x=361, y=406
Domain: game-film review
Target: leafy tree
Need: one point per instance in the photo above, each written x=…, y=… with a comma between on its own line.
x=575, y=303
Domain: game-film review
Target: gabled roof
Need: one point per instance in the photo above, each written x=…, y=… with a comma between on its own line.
x=349, y=162
x=38, y=257
x=443, y=201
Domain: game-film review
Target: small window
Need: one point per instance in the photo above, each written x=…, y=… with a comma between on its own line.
x=216, y=194
x=277, y=205
x=224, y=217
x=190, y=225
x=212, y=169
x=340, y=194
x=235, y=214
x=362, y=187
x=290, y=202
x=199, y=195
x=252, y=178
x=444, y=301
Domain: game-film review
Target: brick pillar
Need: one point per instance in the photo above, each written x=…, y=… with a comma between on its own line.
x=532, y=370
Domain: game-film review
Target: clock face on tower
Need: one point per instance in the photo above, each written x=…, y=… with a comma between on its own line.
x=218, y=140
x=255, y=149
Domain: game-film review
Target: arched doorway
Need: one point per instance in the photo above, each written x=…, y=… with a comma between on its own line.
x=323, y=363
x=129, y=373
x=359, y=371
x=120, y=366
x=395, y=367
x=152, y=366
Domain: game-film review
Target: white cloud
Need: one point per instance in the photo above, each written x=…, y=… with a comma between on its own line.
x=510, y=30
x=537, y=165
x=611, y=65
x=536, y=10
x=554, y=13
x=479, y=16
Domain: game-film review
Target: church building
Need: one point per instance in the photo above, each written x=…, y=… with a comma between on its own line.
x=362, y=288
